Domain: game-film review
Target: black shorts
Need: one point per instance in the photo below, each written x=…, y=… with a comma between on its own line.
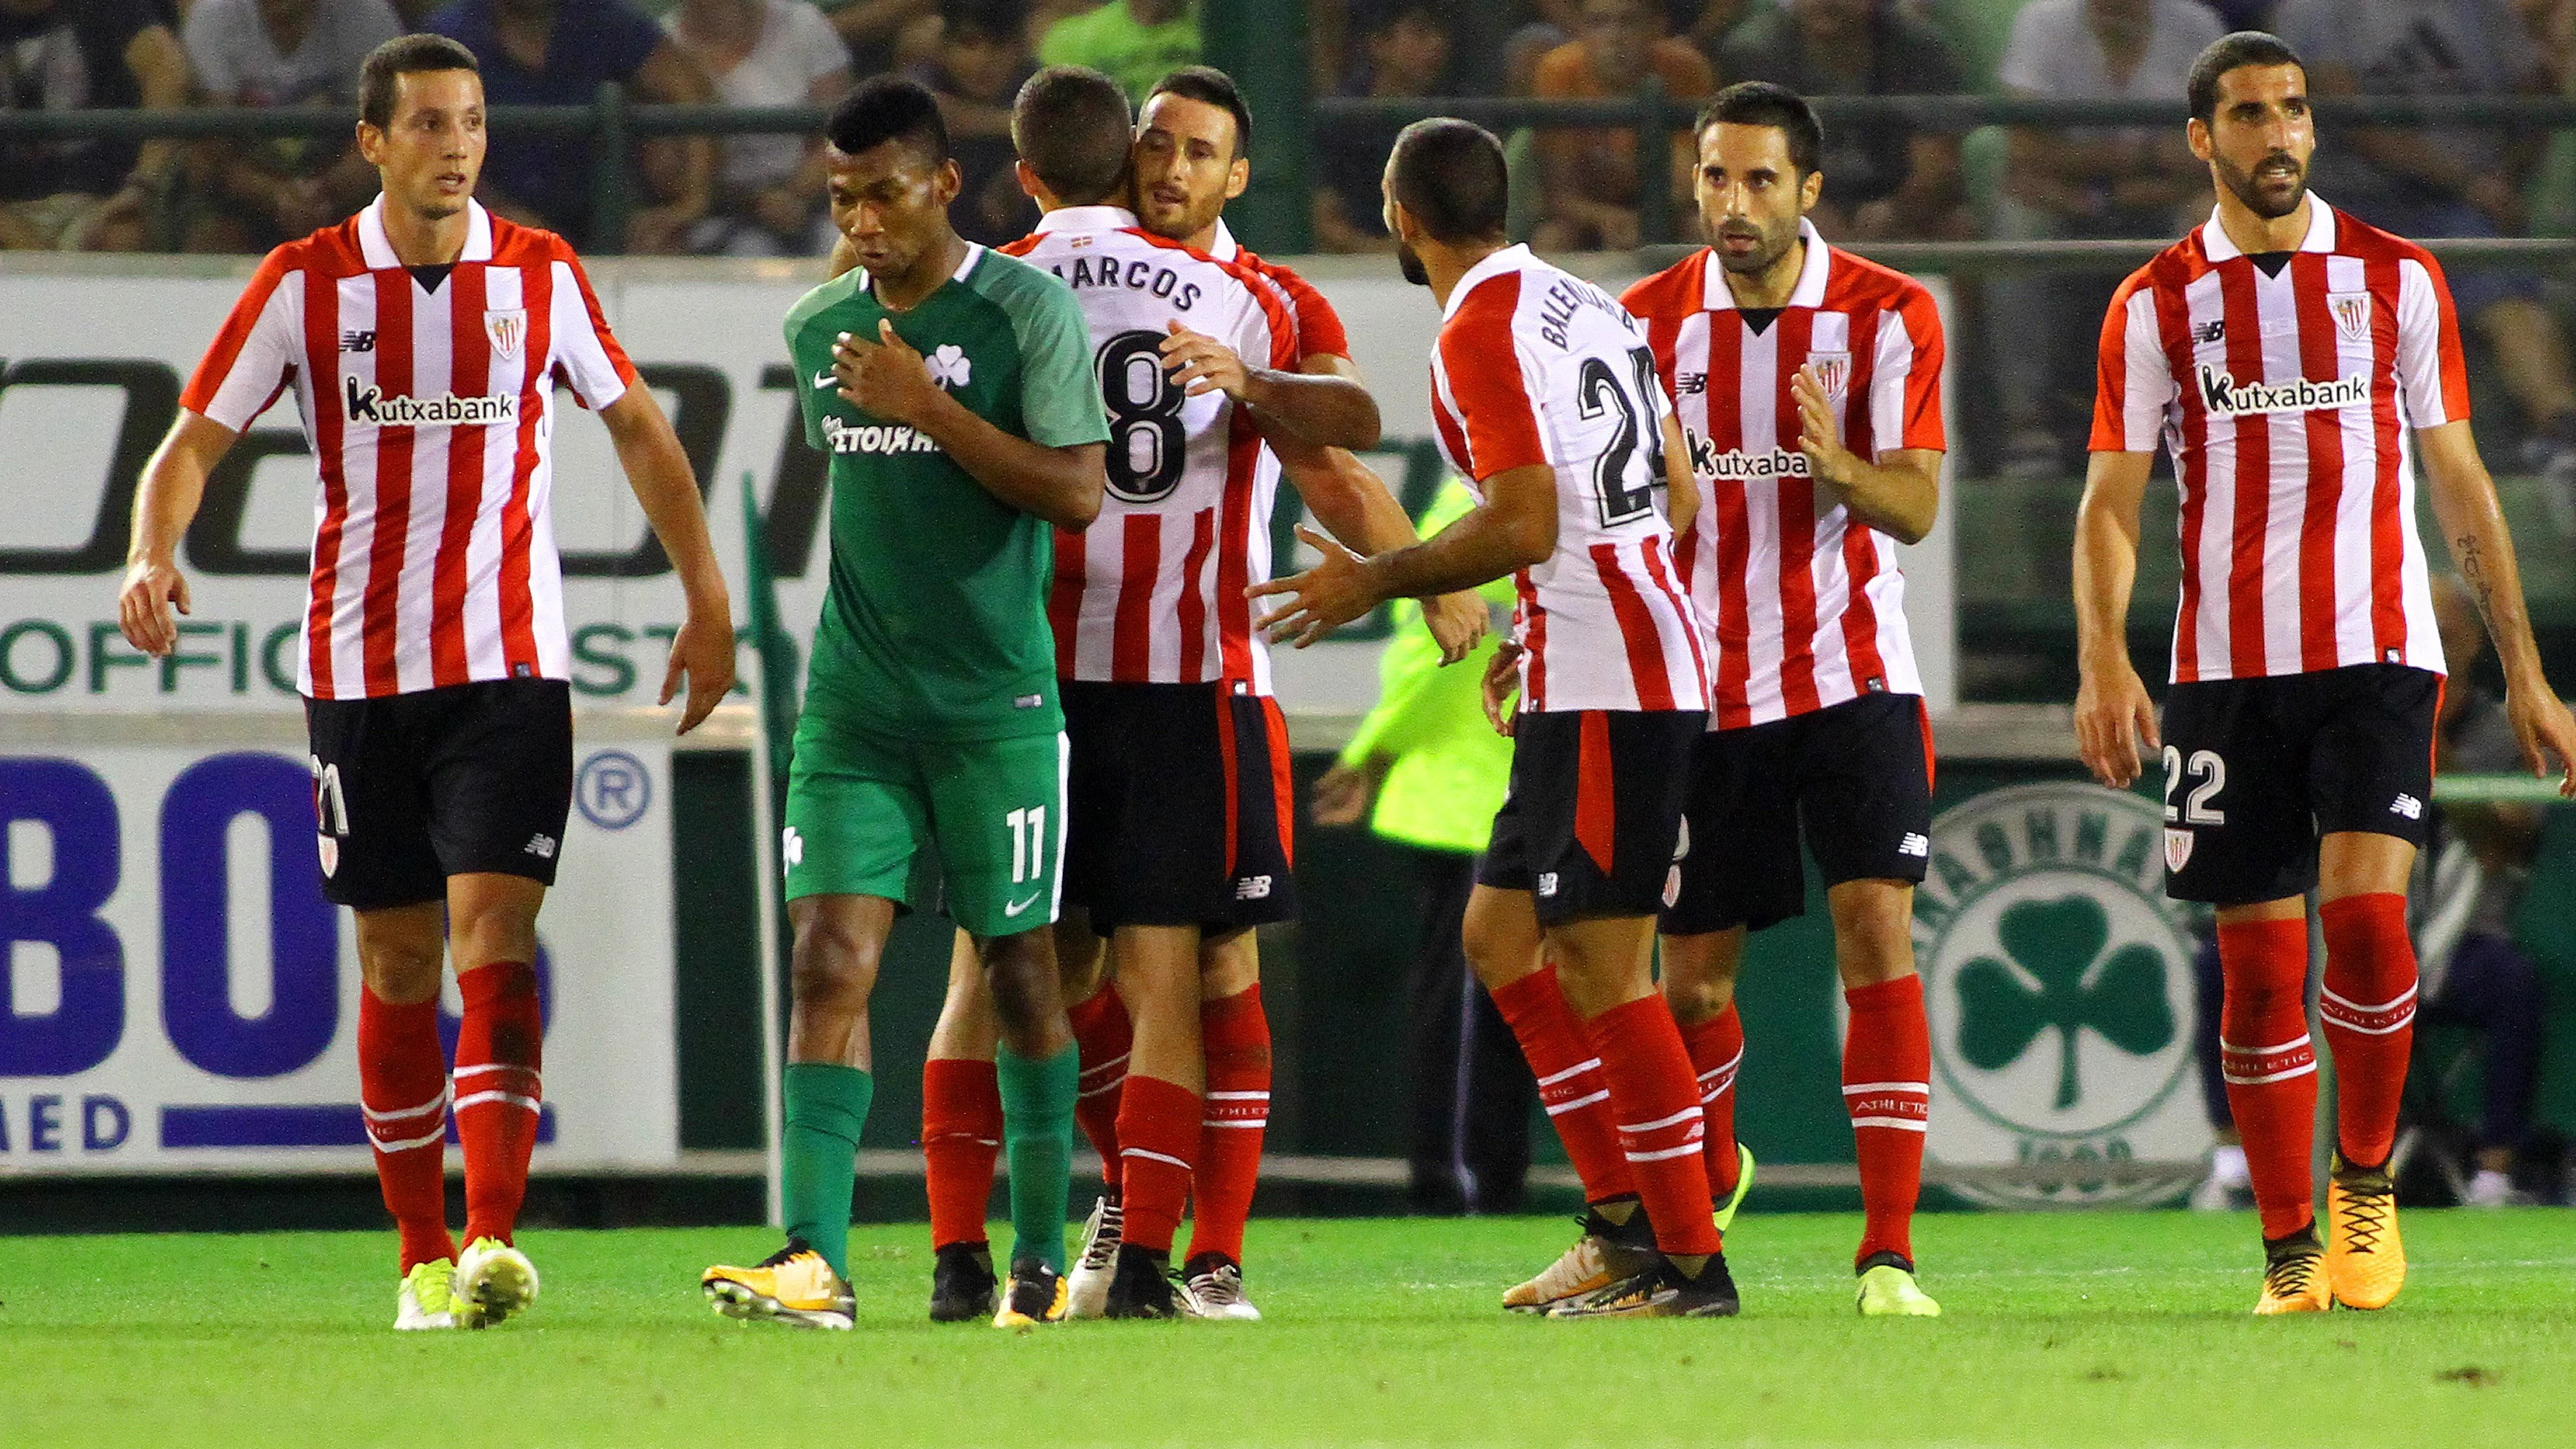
x=2258, y=770
x=1593, y=818
x=1857, y=776
x=1178, y=810
x=409, y=789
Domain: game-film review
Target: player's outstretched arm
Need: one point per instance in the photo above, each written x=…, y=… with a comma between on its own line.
x=1352, y=502
x=658, y=470
x=2113, y=714
x=887, y=378
x=1329, y=408
x=165, y=503
x=2464, y=503
x=1898, y=493
x=1515, y=529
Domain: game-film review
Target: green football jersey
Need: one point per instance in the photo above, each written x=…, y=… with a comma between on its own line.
x=934, y=626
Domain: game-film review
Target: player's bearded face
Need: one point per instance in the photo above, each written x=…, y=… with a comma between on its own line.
x=431, y=151
x=2272, y=187
x=1186, y=167
x=2261, y=137
x=1751, y=195
x=1409, y=262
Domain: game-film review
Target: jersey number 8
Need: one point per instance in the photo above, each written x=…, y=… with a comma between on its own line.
x=1148, y=447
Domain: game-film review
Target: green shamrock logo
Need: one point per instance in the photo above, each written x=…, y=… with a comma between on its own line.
x=2055, y=943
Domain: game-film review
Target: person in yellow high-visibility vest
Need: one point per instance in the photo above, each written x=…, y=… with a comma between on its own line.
x=1426, y=771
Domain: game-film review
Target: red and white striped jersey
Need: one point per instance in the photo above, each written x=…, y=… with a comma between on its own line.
x=1535, y=366
x=429, y=412
x=1805, y=608
x=1152, y=592
x=1319, y=328
x=2287, y=398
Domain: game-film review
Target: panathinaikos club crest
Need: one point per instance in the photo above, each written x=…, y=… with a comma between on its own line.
x=2059, y=984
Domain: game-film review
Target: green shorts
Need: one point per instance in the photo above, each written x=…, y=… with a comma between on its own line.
x=861, y=805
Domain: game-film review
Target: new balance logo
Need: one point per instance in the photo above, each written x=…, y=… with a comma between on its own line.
x=2408, y=806
x=357, y=342
x=540, y=845
x=2213, y=330
x=1915, y=844
x=1547, y=883
x=1252, y=888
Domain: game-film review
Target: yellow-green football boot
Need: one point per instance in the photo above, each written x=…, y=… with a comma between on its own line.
x=1888, y=1289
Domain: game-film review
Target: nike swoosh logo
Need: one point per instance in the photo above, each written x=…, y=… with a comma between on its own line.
x=1017, y=907
x=825, y=379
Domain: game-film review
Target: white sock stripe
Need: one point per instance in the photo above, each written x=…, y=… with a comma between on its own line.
x=2400, y=1024
x=512, y=1098
x=1578, y=1069
x=431, y=1105
x=2302, y=1039
x=2391, y=1004
x=1264, y=1122
x=2300, y=1070
x=1902, y=1124
x=1660, y=1154
x=1730, y=1064
x=1096, y=1068
x=1857, y=1088
x=1238, y=1096
x=1684, y=1115
x=406, y=1144
x=1155, y=1156
x=1563, y=1107
x=475, y=1071
x=1098, y=1091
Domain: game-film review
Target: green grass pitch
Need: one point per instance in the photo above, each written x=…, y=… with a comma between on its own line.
x=2124, y=1329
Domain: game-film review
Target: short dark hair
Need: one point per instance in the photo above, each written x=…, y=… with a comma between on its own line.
x=1072, y=125
x=1210, y=86
x=2233, y=52
x=1451, y=175
x=997, y=19
x=404, y=55
x=888, y=108
x=1760, y=103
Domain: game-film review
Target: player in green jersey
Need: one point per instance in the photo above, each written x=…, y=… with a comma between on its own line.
x=952, y=387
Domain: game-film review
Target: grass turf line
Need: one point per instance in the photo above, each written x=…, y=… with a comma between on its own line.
x=2060, y=1329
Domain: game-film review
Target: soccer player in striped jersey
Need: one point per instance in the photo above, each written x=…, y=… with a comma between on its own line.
x=953, y=387
x=1545, y=394
x=2296, y=363
x=1809, y=387
x=423, y=339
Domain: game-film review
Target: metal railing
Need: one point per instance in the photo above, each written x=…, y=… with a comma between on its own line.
x=612, y=122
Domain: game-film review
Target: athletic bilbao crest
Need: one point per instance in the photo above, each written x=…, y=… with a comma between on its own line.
x=508, y=329
x=2351, y=313
x=2057, y=978
x=2177, y=849
x=1833, y=369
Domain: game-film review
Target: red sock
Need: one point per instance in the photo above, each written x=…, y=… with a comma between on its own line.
x=2368, y=1007
x=1655, y=1103
x=2270, y=1065
x=1887, y=1089
x=402, y=1084
x=499, y=1054
x=1104, y=1034
x=1158, y=1129
x=961, y=1135
x=1570, y=1082
x=1716, y=1049
x=1237, y=1037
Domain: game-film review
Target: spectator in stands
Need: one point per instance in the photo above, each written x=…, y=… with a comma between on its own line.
x=876, y=31
x=1880, y=180
x=1588, y=177
x=554, y=53
x=251, y=195
x=2450, y=181
x=2138, y=181
x=1406, y=53
x=2468, y=887
x=981, y=61
x=1552, y=23
x=769, y=189
x=1133, y=42
x=64, y=55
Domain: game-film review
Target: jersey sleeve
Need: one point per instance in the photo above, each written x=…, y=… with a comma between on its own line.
x=1319, y=327
x=2132, y=385
x=586, y=352
x=1268, y=328
x=2432, y=371
x=1059, y=397
x=256, y=352
x=1905, y=377
x=1491, y=384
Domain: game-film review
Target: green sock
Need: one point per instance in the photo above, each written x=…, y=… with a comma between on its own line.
x=827, y=1104
x=1037, y=1132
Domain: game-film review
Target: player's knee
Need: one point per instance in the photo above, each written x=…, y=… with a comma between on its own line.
x=833, y=964
x=401, y=972
x=1697, y=999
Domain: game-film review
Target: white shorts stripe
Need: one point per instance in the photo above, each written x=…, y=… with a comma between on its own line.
x=1563, y=1107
